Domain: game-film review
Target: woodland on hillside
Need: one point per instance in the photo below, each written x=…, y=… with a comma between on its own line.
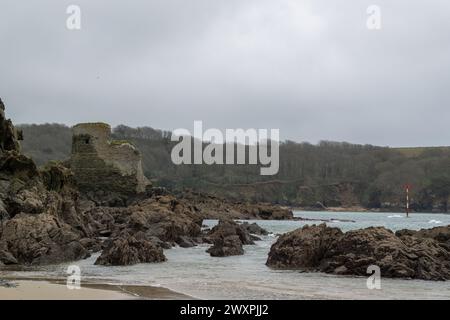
x=330, y=174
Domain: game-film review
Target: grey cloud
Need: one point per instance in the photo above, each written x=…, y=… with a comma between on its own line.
x=310, y=68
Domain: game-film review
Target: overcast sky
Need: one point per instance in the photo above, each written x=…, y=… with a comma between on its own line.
x=310, y=68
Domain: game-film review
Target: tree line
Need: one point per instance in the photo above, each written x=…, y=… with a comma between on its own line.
x=325, y=174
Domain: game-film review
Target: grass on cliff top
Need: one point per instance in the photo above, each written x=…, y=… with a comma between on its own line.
x=418, y=151
x=121, y=142
x=94, y=124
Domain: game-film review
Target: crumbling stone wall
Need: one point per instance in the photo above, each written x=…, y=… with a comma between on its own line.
x=102, y=164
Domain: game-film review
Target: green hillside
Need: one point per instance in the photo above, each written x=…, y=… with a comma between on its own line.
x=328, y=174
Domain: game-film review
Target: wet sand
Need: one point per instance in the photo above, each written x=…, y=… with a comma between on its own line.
x=32, y=289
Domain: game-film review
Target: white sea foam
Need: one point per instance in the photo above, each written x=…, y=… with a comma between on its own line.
x=395, y=216
x=434, y=221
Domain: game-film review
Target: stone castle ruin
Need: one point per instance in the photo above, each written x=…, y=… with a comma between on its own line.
x=101, y=164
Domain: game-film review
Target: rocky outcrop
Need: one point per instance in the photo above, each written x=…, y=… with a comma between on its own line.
x=39, y=239
x=40, y=222
x=56, y=176
x=440, y=234
x=228, y=239
x=212, y=207
x=6, y=258
x=227, y=246
x=321, y=248
x=163, y=217
x=254, y=228
x=9, y=136
x=129, y=250
x=303, y=248
x=19, y=177
x=408, y=257
x=14, y=164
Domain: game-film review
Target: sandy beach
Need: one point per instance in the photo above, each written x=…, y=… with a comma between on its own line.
x=57, y=290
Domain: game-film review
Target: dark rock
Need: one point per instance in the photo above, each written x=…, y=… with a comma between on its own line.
x=18, y=165
x=185, y=242
x=227, y=228
x=3, y=212
x=92, y=244
x=254, y=229
x=228, y=246
x=228, y=237
x=6, y=258
x=155, y=240
x=302, y=248
x=25, y=201
x=326, y=249
x=42, y=239
x=105, y=233
x=212, y=207
x=207, y=240
x=271, y=212
x=440, y=234
x=8, y=134
x=162, y=217
x=56, y=176
x=127, y=250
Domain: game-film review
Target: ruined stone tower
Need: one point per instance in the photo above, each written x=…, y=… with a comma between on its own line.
x=102, y=164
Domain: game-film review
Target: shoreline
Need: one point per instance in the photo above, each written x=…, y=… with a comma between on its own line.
x=55, y=289
x=359, y=210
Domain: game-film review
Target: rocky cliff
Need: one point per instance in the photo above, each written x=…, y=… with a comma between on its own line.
x=39, y=219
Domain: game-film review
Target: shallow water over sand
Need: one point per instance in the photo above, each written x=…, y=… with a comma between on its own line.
x=193, y=272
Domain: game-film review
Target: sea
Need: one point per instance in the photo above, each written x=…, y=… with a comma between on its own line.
x=193, y=272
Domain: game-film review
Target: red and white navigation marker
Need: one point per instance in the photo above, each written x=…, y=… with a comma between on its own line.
x=407, y=188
